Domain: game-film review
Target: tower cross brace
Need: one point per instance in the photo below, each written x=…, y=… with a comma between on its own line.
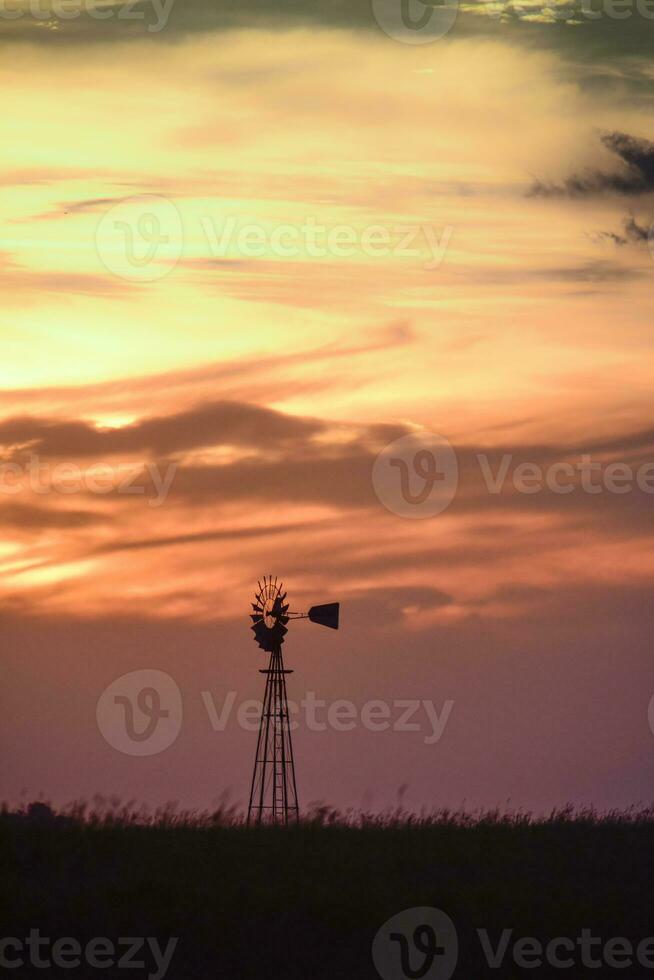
x=273, y=795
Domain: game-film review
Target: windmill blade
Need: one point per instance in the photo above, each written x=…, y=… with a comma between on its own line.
x=325, y=615
x=261, y=633
x=255, y=618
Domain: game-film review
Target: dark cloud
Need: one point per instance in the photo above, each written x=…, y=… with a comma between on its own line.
x=632, y=233
x=634, y=176
x=29, y=518
x=336, y=477
x=221, y=423
x=340, y=477
x=91, y=206
x=235, y=534
x=140, y=20
x=337, y=474
x=214, y=424
x=386, y=607
x=595, y=271
x=295, y=460
x=602, y=54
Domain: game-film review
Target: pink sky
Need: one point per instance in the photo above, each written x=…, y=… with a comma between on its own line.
x=260, y=382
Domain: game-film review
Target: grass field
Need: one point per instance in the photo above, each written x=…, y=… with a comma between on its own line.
x=307, y=902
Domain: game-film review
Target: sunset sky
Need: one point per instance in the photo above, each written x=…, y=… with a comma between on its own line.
x=264, y=379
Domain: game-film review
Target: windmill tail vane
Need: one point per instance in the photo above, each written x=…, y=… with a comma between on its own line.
x=273, y=793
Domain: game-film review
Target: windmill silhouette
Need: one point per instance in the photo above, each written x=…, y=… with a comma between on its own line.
x=273, y=796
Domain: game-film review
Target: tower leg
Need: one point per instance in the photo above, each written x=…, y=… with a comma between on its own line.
x=273, y=794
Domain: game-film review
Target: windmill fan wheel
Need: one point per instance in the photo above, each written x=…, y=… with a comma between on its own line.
x=269, y=617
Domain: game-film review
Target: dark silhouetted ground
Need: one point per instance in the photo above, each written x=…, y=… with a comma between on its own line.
x=306, y=903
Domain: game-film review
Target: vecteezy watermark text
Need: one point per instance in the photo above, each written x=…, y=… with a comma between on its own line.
x=417, y=475
x=341, y=715
x=100, y=953
x=560, y=477
x=319, y=241
x=425, y=21
x=67, y=478
x=589, y=10
x=141, y=714
x=50, y=12
x=423, y=942
x=142, y=238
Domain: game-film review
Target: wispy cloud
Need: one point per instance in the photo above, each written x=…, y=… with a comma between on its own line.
x=634, y=177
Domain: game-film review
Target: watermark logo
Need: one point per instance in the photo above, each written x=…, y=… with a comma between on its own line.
x=140, y=713
x=141, y=238
x=650, y=714
x=415, y=22
x=423, y=943
x=416, y=944
x=417, y=475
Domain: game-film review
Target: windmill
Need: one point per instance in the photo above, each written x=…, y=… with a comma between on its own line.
x=273, y=796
